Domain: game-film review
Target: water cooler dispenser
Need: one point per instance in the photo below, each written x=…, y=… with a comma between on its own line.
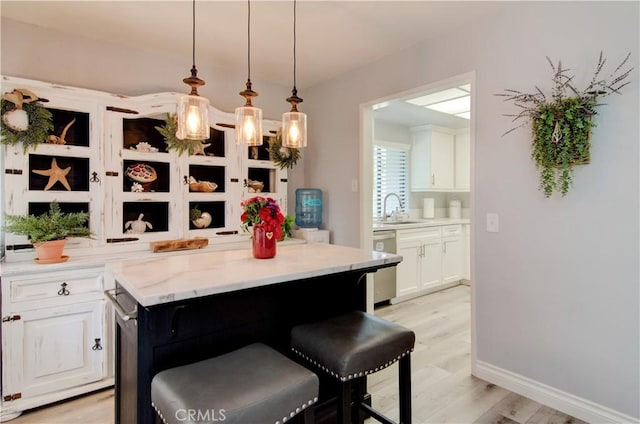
x=309, y=216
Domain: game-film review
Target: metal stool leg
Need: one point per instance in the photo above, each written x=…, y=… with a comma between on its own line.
x=404, y=383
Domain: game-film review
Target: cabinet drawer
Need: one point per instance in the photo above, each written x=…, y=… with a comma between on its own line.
x=63, y=286
x=451, y=230
x=418, y=234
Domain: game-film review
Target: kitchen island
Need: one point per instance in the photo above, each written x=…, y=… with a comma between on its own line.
x=177, y=310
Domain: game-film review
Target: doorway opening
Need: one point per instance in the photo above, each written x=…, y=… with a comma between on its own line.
x=425, y=137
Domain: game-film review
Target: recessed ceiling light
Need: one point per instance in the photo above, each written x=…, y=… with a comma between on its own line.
x=454, y=106
x=378, y=106
x=438, y=97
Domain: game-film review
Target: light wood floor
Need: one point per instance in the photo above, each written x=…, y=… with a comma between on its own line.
x=443, y=389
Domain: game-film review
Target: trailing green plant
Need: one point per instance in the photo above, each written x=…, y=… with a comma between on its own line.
x=51, y=225
x=168, y=131
x=40, y=125
x=287, y=226
x=195, y=213
x=561, y=125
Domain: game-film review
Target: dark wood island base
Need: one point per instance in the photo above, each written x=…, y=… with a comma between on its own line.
x=157, y=337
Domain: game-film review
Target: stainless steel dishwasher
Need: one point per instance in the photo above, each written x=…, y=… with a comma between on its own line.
x=384, y=280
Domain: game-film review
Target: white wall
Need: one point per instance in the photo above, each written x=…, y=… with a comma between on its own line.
x=557, y=289
x=37, y=53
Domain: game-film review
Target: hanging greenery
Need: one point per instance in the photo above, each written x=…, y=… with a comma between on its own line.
x=561, y=125
x=24, y=120
x=283, y=157
x=168, y=131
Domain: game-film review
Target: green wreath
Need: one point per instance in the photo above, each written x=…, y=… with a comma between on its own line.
x=37, y=131
x=168, y=131
x=283, y=157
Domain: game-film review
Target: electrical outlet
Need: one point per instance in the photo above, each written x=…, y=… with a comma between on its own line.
x=354, y=185
x=493, y=223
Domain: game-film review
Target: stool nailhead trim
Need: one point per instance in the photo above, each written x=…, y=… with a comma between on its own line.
x=356, y=374
x=284, y=419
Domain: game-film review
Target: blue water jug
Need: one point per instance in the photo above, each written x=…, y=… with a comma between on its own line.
x=308, y=207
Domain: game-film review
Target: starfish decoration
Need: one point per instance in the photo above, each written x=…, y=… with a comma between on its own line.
x=55, y=174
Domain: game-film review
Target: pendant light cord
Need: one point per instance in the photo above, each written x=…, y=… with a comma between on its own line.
x=294, y=45
x=248, y=40
x=193, y=34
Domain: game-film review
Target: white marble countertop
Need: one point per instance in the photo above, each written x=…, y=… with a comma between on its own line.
x=418, y=223
x=154, y=281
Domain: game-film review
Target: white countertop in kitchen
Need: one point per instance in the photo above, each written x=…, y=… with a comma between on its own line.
x=153, y=281
x=417, y=223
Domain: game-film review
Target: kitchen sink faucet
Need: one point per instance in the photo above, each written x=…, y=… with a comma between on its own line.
x=384, y=205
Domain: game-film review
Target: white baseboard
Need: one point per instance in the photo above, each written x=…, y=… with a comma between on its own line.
x=557, y=399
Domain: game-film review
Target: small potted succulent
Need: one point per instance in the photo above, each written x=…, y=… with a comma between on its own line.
x=48, y=232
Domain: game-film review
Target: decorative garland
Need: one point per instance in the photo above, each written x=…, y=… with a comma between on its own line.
x=39, y=120
x=283, y=157
x=168, y=131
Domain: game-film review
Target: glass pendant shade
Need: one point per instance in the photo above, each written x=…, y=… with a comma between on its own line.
x=249, y=126
x=193, y=118
x=294, y=129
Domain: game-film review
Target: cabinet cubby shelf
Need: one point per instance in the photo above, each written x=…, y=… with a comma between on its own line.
x=101, y=145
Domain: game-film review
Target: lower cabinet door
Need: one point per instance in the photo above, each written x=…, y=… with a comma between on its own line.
x=452, y=260
x=56, y=348
x=431, y=274
x=408, y=271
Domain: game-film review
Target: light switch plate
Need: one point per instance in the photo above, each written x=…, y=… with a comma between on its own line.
x=493, y=224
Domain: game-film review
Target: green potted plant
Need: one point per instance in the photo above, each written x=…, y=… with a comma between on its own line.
x=48, y=232
x=561, y=125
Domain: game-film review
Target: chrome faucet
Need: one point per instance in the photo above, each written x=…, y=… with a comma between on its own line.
x=384, y=205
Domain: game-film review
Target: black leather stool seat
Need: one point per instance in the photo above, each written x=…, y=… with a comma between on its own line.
x=348, y=348
x=254, y=384
x=352, y=345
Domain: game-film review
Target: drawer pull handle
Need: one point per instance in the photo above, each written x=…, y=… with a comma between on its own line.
x=124, y=316
x=63, y=291
x=97, y=345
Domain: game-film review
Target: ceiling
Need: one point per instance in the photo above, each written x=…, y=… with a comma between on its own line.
x=333, y=37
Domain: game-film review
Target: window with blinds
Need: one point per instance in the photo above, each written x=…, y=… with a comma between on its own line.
x=390, y=175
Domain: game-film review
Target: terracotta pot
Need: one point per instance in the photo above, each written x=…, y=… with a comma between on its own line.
x=50, y=251
x=264, y=243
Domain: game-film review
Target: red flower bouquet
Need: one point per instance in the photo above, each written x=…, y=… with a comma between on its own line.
x=264, y=215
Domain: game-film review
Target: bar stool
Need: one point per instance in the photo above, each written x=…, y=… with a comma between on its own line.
x=348, y=348
x=254, y=384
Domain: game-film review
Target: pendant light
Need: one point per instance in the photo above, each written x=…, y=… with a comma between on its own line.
x=294, y=123
x=249, y=118
x=193, y=110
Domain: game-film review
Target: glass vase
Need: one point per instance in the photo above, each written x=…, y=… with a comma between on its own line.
x=264, y=243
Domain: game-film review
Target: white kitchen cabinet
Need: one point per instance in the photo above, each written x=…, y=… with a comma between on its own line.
x=452, y=253
x=55, y=337
x=421, y=266
x=463, y=160
x=432, y=158
x=433, y=258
